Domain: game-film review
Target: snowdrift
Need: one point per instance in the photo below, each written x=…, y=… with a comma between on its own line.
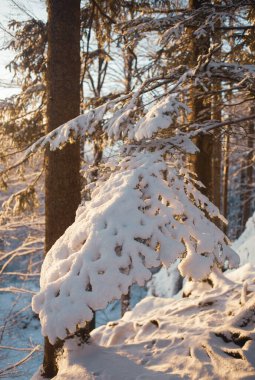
x=207, y=335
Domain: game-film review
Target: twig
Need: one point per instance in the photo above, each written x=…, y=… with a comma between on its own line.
x=21, y=274
x=15, y=348
x=18, y=255
x=223, y=124
x=13, y=289
x=6, y=321
x=103, y=13
x=26, y=358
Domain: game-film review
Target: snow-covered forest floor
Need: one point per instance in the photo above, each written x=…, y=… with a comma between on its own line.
x=207, y=335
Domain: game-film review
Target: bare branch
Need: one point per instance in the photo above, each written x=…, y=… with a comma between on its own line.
x=25, y=359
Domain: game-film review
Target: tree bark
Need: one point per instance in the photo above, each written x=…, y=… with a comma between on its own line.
x=62, y=183
x=201, y=111
x=226, y=177
x=128, y=70
x=217, y=135
x=216, y=161
x=248, y=184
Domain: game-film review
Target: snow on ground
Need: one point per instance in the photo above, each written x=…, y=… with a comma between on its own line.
x=208, y=335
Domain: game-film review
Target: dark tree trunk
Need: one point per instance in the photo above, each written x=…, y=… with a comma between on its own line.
x=226, y=178
x=125, y=303
x=217, y=135
x=201, y=111
x=216, y=169
x=247, y=186
x=128, y=70
x=217, y=188
x=62, y=184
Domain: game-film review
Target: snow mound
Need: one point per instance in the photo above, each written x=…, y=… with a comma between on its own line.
x=208, y=335
x=146, y=213
x=245, y=244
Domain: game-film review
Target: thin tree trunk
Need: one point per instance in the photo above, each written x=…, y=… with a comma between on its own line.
x=128, y=69
x=225, y=176
x=62, y=183
x=248, y=186
x=216, y=167
x=217, y=144
x=125, y=303
x=217, y=155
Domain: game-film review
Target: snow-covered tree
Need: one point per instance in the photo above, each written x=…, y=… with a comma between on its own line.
x=146, y=208
x=147, y=212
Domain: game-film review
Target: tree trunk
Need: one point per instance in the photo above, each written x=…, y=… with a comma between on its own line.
x=216, y=163
x=62, y=183
x=225, y=177
x=201, y=111
x=250, y=129
x=248, y=185
x=128, y=70
x=217, y=135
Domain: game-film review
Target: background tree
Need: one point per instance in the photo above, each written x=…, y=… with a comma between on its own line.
x=62, y=176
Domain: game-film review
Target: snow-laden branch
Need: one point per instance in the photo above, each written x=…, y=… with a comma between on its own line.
x=242, y=75
x=126, y=118
x=203, y=21
x=146, y=213
x=161, y=116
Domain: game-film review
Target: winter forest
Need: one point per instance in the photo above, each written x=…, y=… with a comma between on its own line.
x=127, y=189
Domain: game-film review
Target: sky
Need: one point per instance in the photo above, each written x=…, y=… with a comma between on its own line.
x=10, y=9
